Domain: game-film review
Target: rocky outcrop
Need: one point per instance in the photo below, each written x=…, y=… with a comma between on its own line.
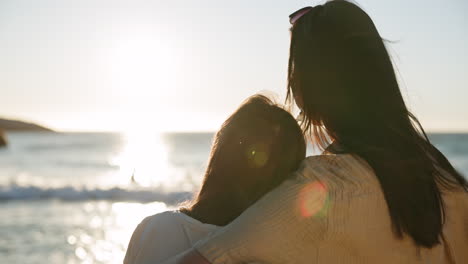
x=16, y=125
x=3, y=141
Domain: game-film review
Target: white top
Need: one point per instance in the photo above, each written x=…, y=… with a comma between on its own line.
x=163, y=235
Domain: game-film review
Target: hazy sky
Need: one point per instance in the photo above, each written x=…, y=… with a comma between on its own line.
x=185, y=65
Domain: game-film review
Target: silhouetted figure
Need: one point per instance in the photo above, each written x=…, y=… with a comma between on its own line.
x=132, y=179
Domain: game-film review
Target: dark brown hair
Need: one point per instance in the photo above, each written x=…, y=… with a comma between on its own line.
x=341, y=73
x=257, y=147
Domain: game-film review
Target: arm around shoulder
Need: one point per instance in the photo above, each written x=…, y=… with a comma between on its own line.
x=279, y=227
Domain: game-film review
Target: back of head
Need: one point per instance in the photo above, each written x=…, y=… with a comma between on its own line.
x=339, y=62
x=342, y=75
x=257, y=147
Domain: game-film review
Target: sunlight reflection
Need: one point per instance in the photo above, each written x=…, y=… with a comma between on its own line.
x=143, y=161
x=71, y=240
x=109, y=229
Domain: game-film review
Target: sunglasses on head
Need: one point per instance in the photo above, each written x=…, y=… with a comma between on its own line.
x=298, y=14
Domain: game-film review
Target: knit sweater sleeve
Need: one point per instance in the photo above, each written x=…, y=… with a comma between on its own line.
x=278, y=226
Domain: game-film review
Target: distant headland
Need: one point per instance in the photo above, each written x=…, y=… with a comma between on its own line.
x=11, y=125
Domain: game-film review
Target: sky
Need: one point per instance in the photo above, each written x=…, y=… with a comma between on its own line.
x=107, y=65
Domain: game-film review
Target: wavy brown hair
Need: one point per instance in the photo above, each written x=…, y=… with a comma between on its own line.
x=257, y=147
x=342, y=77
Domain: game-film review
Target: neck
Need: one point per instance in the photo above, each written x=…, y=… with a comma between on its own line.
x=335, y=148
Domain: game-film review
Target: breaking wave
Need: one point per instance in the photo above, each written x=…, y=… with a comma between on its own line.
x=68, y=193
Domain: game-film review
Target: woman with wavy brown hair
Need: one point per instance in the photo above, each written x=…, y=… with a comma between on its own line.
x=256, y=149
x=380, y=192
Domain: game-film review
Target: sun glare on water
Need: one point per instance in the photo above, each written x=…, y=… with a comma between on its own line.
x=105, y=238
x=144, y=160
x=141, y=66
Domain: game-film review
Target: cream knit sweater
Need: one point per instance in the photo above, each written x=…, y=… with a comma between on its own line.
x=332, y=211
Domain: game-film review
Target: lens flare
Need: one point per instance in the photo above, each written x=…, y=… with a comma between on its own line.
x=314, y=200
x=257, y=155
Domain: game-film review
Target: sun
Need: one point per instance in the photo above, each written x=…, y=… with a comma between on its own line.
x=142, y=70
x=138, y=63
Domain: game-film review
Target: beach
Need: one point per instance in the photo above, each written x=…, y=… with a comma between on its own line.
x=77, y=197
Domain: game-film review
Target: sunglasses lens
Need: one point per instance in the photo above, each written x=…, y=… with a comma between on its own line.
x=298, y=14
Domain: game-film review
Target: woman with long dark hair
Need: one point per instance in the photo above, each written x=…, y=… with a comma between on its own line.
x=257, y=147
x=380, y=193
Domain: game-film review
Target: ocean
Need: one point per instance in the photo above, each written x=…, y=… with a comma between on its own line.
x=77, y=197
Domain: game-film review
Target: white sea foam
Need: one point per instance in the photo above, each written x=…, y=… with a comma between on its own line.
x=68, y=193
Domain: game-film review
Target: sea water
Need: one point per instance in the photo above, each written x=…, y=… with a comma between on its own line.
x=77, y=197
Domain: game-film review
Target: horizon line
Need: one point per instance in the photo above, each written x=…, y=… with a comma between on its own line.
x=188, y=131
